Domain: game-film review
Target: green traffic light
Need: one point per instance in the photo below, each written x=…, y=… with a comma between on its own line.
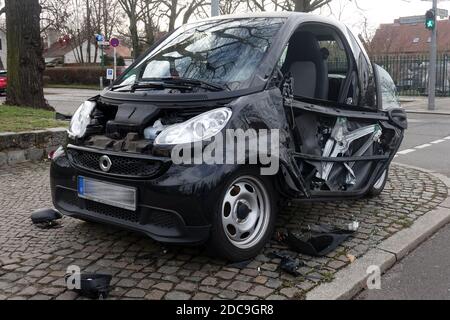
x=430, y=24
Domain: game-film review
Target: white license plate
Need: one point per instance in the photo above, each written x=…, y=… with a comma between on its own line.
x=107, y=193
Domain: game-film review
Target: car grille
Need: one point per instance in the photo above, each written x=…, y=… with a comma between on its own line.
x=121, y=166
x=68, y=200
x=157, y=218
x=112, y=212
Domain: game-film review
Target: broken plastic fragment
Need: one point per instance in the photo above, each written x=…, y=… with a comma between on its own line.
x=319, y=240
x=93, y=286
x=46, y=218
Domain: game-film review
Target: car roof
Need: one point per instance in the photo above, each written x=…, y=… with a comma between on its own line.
x=299, y=16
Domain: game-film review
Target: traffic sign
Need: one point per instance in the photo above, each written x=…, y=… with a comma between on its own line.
x=110, y=74
x=103, y=43
x=442, y=13
x=412, y=20
x=99, y=38
x=114, y=42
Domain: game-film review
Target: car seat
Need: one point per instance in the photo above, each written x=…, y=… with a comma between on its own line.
x=305, y=61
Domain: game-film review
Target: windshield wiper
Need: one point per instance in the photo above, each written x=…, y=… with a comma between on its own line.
x=158, y=85
x=193, y=82
x=172, y=83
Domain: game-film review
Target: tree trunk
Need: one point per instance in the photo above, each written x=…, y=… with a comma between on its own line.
x=173, y=15
x=88, y=30
x=302, y=5
x=25, y=62
x=135, y=37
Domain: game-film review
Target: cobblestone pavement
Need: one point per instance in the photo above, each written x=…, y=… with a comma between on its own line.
x=33, y=261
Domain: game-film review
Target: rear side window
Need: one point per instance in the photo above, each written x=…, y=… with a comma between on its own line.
x=388, y=90
x=336, y=57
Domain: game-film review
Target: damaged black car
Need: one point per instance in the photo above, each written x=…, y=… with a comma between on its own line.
x=339, y=125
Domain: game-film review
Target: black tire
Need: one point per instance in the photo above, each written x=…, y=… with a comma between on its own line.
x=219, y=243
x=379, y=186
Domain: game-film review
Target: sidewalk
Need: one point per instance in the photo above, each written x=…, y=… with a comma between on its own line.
x=420, y=105
x=33, y=262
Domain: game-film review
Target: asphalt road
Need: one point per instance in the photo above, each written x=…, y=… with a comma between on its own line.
x=425, y=273
x=66, y=101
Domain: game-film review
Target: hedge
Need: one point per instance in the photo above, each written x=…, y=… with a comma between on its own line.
x=78, y=75
x=75, y=75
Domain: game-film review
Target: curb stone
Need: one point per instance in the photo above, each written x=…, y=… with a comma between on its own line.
x=352, y=279
x=437, y=113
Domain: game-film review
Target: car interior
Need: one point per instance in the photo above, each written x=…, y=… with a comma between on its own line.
x=319, y=64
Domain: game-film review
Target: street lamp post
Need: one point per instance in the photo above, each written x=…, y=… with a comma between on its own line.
x=433, y=58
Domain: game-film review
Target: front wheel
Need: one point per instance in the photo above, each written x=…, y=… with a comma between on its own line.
x=379, y=186
x=245, y=218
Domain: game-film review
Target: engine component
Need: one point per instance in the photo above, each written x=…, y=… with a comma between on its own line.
x=152, y=132
x=130, y=118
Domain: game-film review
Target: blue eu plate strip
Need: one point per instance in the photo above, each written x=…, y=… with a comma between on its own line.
x=81, y=185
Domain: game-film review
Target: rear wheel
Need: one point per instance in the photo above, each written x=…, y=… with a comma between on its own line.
x=245, y=218
x=379, y=186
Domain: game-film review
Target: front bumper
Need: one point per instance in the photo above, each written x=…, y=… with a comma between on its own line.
x=175, y=207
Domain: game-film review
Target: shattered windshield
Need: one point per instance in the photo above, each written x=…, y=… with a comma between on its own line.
x=223, y=53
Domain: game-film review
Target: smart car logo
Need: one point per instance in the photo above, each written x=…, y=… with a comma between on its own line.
x=105, y=163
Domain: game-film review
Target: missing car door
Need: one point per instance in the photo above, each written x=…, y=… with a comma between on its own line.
x=341, y=146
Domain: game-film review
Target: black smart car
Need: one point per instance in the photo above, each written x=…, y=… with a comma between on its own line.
x=337, y=117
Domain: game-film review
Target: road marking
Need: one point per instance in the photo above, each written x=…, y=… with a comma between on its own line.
x=406, y=151
x=423, y=146
x=447, y=138
x=437, y=141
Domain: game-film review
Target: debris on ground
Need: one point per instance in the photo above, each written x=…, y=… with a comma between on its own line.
x=46, y=218
x=318, y=240
x=92, y=286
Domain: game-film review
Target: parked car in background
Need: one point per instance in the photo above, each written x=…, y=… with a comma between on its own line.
x=3, y=81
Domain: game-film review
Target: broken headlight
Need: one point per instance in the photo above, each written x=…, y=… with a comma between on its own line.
x=200, y=128
x=81, y=120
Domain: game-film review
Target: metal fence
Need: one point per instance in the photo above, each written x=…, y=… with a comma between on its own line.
x=411, y=73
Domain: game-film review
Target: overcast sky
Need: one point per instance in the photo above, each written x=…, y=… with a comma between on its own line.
x=380, y=11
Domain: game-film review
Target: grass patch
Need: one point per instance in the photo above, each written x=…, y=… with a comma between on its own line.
x=73, y=86
x=19, y=119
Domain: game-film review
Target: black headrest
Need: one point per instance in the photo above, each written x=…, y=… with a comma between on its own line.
x=304, y=46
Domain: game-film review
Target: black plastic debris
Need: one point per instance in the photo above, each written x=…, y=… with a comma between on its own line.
x=153, y=256
x=93, y=286
x=289, y=264
x=46, y=218
x=319, y=240
x=240, y=265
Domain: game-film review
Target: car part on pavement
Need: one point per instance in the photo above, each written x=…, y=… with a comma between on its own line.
x=319, y=240
x=93, y=286
x=289, y=264
x=46, y=218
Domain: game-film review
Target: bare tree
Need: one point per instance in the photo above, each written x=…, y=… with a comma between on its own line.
x=54, y=14
x=229, y=6
x=25, y=61
x=134, y=14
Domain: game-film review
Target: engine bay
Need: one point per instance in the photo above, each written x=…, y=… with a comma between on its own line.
x=131, y=127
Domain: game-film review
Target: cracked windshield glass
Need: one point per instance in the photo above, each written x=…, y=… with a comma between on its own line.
x=224, y=53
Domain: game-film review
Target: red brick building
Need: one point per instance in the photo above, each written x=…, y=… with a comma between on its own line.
x=409, y=39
